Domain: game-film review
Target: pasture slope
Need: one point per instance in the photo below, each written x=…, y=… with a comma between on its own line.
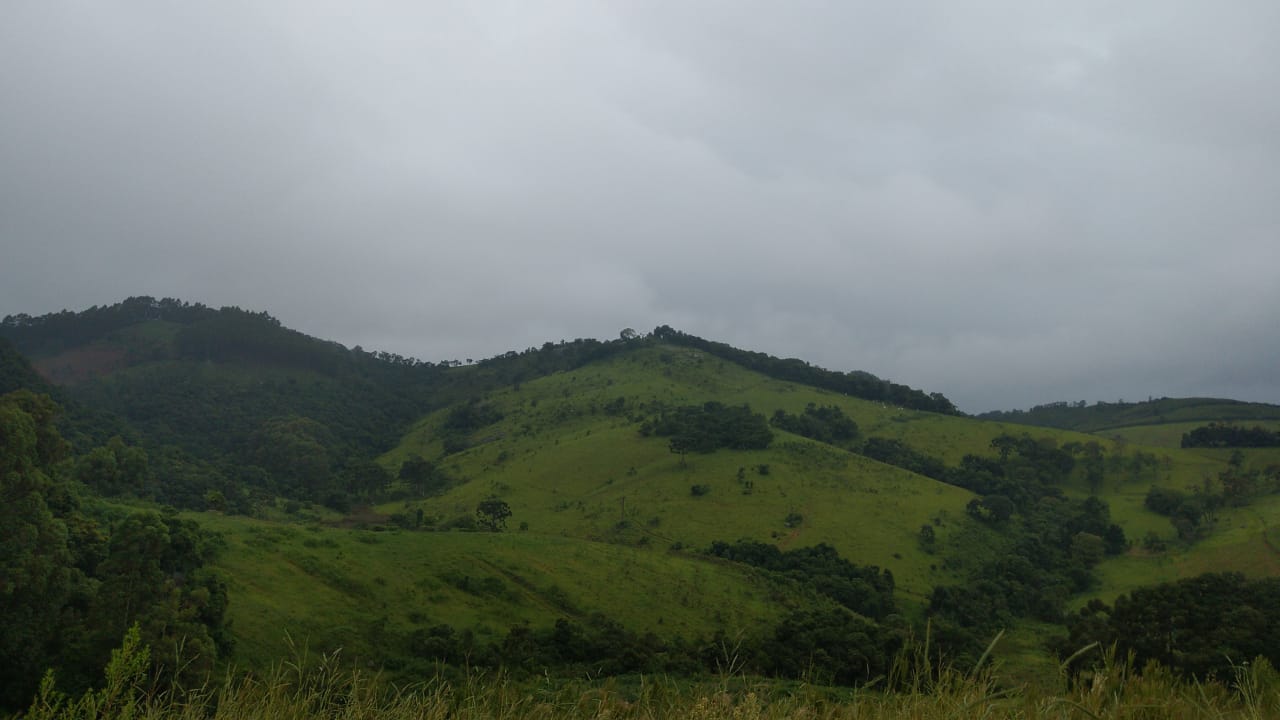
x=571, y=470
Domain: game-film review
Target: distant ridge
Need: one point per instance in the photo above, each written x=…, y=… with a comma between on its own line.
x=1159, y=411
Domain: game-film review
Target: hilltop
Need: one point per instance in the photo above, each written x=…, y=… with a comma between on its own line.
x=210, y=392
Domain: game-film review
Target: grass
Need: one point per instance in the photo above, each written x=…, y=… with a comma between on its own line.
x=310, y=686
x=1243, y=540
x=364, y=592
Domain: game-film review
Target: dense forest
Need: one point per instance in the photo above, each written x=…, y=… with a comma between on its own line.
x=77, y=575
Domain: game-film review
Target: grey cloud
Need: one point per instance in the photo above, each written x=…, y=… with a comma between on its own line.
x=1001, y=201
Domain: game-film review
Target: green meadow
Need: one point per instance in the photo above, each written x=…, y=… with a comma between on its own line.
x=363, y=591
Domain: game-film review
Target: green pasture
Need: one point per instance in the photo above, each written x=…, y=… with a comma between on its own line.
x=567, y=469
x=364, y=592
x=1245, y=540
x=572, y=472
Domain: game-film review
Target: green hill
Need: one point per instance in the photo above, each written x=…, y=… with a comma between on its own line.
x=569, y=457
x=230, y=402
x=353, y=492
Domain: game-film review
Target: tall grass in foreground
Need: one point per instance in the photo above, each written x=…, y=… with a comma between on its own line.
x=324, y=688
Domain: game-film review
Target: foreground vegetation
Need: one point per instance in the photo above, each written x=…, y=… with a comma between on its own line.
x=323, y=687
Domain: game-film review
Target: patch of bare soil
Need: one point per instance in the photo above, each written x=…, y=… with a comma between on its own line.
x=81, y=364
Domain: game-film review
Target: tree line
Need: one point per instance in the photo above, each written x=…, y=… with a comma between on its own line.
x=1230, y=435
x=1201, y=627
x=856, y=383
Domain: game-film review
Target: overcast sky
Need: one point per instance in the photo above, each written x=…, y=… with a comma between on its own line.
x=1007, y=202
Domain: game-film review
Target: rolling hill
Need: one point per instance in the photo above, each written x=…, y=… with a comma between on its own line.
x=347, y=487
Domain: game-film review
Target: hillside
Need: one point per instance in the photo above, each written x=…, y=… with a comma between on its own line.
x=231, y=402
x=568, y=454
x=513, y=510
x=569, y=459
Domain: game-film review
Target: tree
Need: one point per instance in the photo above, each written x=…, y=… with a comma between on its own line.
x=992, y=508
x=154, y=576
x=294, y=450
x=1087, y=549
x=493, y=514
x=114, y=468
x=1004, y=444
x=681, y=445
x=363, y=478
x=35, y=563
x=928, y=538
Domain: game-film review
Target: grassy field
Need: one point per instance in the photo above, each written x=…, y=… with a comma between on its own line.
x=1243, y=540
x=363, y=592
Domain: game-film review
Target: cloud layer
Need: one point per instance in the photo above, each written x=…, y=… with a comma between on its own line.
x=1000, y=201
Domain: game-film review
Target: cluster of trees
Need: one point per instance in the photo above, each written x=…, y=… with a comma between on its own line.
x=424, y=477
x=1189, y=513
x=1024, y=469
x=74, y=575
x=463, y=420
x=1228, y=435
x=15, y=372
x=864, y=589
x=1201, y=627
x=822, y=644
x=892, y=451
x=708, y=427
x=1047, y=553
x=856, y=383
x=826, y=424
x=1048, y=544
